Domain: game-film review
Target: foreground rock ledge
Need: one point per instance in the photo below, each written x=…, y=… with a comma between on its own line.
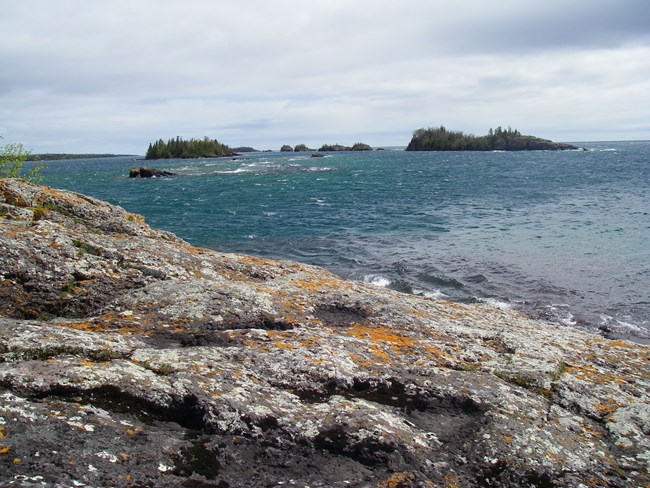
x=130, y=358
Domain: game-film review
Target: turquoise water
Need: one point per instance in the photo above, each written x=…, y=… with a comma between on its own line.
x=562, y=236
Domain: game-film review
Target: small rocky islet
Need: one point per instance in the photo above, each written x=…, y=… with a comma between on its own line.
x=130, y=358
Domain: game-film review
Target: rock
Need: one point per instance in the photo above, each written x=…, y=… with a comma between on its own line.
x=317, y=155
x=145, y=172
x=302, y=148
x=286, y=148
x=131, y=358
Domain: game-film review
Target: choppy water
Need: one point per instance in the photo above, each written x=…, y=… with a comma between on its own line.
x=562, y=236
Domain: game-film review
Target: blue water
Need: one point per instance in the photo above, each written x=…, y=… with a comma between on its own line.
x=562, y=236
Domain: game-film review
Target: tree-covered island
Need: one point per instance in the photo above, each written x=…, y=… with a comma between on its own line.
x=194, y=148
x=359, y=146
x=441, y=139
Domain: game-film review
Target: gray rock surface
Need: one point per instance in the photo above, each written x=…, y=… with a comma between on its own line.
x=130, y=358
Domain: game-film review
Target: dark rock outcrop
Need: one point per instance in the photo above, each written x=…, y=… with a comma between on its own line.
x=146, y=172
x=302, y=148
x=359, y=146
x=130, y=358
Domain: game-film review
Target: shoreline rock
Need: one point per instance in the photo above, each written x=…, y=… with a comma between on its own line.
x=131, y=358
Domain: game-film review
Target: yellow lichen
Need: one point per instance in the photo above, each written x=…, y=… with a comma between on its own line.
x=605, y=410
x=282, y=345
x=320, y=284
x=381, y=335
x=255, y=260
x=398, y=480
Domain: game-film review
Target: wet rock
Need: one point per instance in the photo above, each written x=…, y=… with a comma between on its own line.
x=146, y=172
x=130, y=358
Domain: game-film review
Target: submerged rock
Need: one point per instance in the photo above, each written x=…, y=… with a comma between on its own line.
x=130, y=358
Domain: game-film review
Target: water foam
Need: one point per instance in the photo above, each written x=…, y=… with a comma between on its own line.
x=429, y=293
x=493, y=302
x=377, y=280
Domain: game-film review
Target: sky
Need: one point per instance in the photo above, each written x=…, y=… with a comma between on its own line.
x=81, y=76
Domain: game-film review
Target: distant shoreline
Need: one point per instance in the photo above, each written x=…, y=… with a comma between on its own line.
x=63, y=156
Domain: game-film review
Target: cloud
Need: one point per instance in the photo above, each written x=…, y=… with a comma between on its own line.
x=112, y=76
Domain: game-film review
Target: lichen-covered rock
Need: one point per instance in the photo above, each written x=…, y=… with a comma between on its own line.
x=130, y=358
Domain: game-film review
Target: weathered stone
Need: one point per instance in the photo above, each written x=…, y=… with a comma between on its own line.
x=130, y=358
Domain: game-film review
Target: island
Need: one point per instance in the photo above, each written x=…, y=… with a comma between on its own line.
x=441, y=139
x=129, y=357
x=359, y=146
x=303, y=148
x=194, y=148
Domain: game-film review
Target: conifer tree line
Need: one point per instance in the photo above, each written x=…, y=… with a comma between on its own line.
x=194, y=148
x=499, y=139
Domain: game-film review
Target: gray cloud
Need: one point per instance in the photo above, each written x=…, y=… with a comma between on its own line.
x=111, y=76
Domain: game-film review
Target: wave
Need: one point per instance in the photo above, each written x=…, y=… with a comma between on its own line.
x=493, y=302
x=429, y=293
x=377, y=280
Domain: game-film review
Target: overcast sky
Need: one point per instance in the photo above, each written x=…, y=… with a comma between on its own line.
x=112, y=76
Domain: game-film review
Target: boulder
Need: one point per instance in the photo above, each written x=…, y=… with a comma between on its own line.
x=145, y=172
x=130, y=358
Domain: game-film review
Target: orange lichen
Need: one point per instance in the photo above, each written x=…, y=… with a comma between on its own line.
x=255, y=260
x=605, y=410
x=381, y=354
x=108, y=322
x=398, y=480
x=383, y=338
x=590, y=374
x=382, y=335
x=4, y=449
x=321, y=284
x=360, y=360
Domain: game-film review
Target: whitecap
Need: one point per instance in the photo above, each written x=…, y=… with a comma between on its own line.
x=429, y=293
x=623, y=327
x=234, y=171
x=377, y=280
x=496, y=303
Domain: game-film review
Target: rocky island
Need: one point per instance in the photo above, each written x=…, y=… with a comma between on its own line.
x=194, y=148
x=441, y=139
x=146, y=172
x=358, y=146
x=130, y=358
